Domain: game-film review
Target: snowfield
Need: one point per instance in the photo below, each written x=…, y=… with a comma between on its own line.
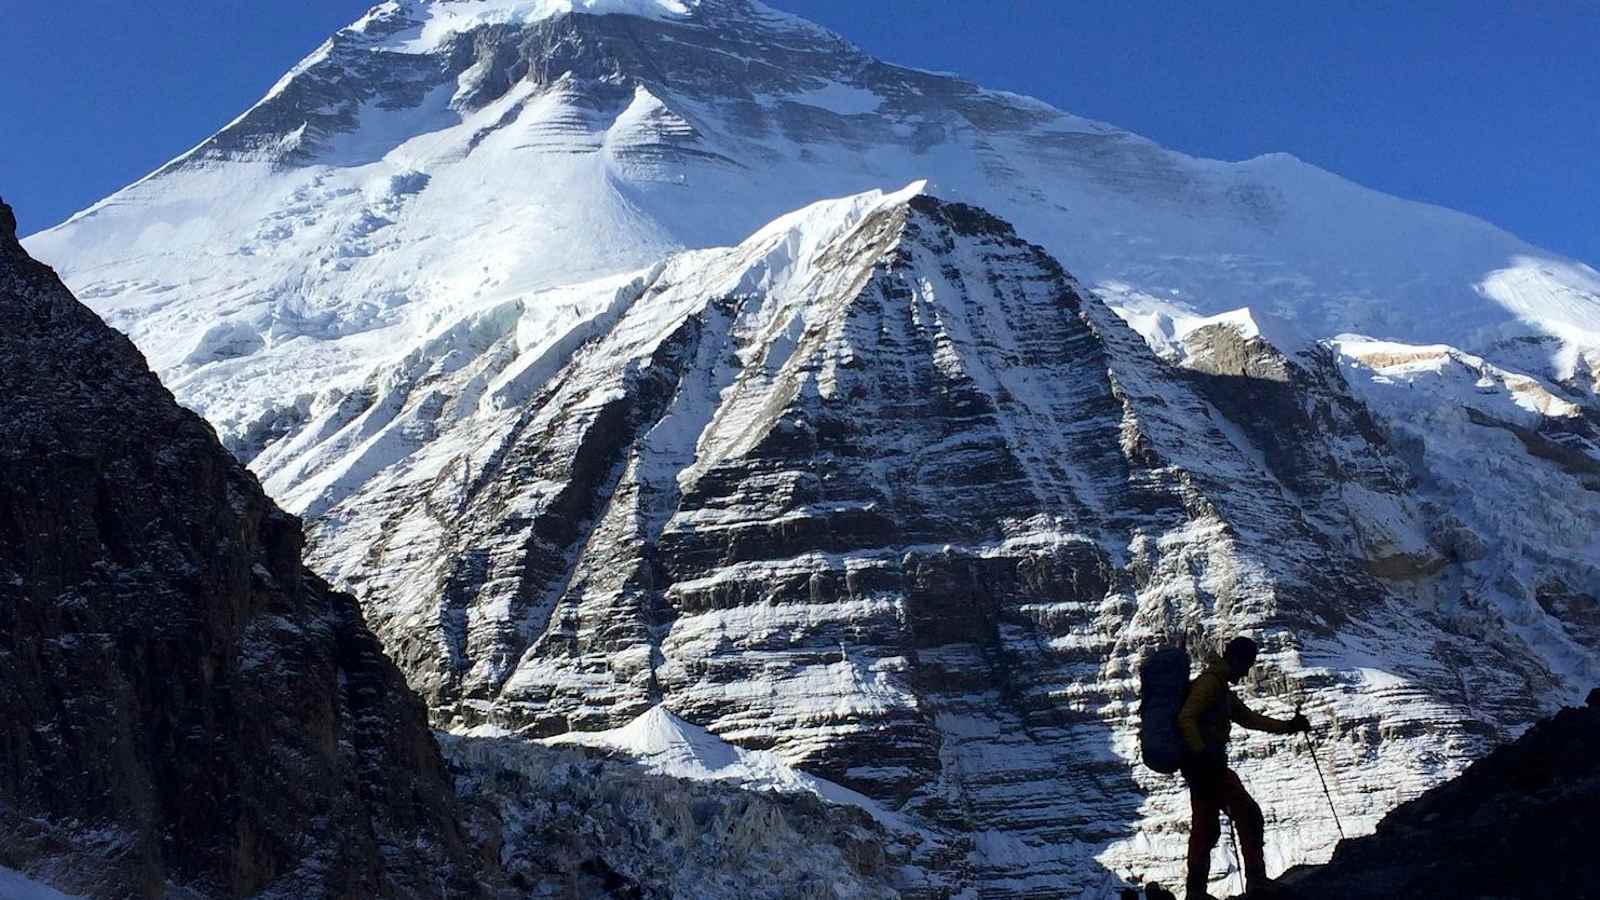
x=431, y=24
x=667, y=745
x=381, y=194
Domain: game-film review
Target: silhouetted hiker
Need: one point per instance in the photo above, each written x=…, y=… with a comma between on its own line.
x=1205, y=721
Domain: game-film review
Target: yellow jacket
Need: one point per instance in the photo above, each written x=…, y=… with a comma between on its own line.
x=1210, y=711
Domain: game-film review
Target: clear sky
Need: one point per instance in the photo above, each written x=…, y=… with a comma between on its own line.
x=1492, y=108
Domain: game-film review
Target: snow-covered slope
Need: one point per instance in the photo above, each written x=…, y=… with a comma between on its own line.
x=666, y=744
x=16, y=886
x=883, y=495
x=1511, y=465
x=439, y=158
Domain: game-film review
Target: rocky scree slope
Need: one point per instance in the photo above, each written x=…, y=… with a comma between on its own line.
x=186, y=711
x=885, y=491
x=1517, y=823
x=585, y=823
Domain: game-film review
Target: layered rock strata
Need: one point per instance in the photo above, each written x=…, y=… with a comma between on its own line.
x=885, y=491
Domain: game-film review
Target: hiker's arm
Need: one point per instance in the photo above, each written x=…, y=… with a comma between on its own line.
x=1245, y=717
x=1201, y=696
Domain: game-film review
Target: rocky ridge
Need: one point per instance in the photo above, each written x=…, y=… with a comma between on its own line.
x=188, y=711
x=1512, y=825
x=428, y=163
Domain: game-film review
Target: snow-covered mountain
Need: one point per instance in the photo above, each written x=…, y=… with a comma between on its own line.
x=440, y=157
x=881, y=489
x=190, y=713
x=885, y=492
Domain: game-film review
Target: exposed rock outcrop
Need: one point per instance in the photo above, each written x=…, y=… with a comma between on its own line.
x=185, y=710
x=1517, y=823
x=1320, y=443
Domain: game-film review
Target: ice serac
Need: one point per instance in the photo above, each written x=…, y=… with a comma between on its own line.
x=186, y=710
x=1510, y=463
x=885, y=493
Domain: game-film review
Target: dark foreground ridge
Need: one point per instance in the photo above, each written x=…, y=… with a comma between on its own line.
x=184, y=709
x=1517, y=823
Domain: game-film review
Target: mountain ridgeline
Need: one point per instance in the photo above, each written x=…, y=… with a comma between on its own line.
x=187, y=710
x=885, y=491
x=1512, y=825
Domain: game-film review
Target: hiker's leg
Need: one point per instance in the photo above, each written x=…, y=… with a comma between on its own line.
x=1204, y=829
x=1246, y=816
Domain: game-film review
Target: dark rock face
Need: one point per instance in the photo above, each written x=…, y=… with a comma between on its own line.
x=184, y=709
x=1517, y=823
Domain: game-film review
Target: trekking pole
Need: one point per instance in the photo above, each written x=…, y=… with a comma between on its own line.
x=1238, y=864
x=1325, y=792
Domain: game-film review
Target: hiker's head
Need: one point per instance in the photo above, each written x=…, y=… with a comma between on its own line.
x=1240, y=655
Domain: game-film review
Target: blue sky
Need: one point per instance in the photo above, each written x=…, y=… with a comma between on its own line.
x=1491, y=108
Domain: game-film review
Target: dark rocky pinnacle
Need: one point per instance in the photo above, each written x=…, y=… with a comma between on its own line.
x=8, y=224
x=1594, y=699
x=969, y=221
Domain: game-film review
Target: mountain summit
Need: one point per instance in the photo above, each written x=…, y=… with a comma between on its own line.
x=435, y=158
x=418, y=26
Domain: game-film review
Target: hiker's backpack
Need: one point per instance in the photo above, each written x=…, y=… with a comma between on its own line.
x=1163, y=686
